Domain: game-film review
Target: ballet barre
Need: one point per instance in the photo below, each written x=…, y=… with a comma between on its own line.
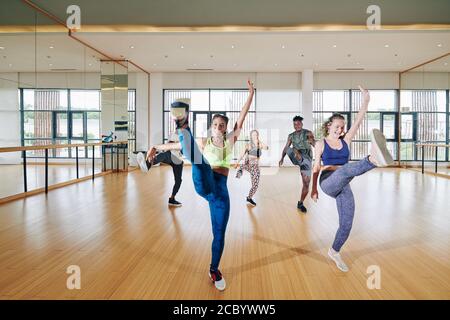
x=432, y=145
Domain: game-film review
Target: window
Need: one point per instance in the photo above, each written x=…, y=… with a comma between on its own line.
x=204, y=104
x=381, y=115
x=424, y=117
x=54, y=116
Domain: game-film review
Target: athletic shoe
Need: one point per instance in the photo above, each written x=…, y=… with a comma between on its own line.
x=143, y=164
x=250, y=201
x=174, y=203
x=379, y=151
x=218, y=280
x=301, y=207
x=239, y=173
x=336, y=257
x=180, y=112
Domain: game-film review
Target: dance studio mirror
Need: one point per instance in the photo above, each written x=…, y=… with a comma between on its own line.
x=425, y=118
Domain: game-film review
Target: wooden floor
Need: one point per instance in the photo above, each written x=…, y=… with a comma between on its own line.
x=12, y=175
x=130, y=245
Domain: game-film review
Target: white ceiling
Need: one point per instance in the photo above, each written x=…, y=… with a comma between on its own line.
x=252, y=52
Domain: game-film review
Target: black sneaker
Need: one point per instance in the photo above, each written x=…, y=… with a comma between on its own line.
x=180, y=112
x=301, y=207
x=239, y=173
x=250, y=200
x=174, y=203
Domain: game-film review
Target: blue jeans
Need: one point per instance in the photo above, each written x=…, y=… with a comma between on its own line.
x=212, y=187
x=336, y=184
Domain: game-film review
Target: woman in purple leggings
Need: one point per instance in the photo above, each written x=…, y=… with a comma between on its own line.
x=331, y=157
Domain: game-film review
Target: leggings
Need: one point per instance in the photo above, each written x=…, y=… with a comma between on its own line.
x=252, y=167
x=336, y=184
x=177, y=168
x=211, y=186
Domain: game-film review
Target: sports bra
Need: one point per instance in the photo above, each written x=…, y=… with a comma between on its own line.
x=332, y=156
x=217, y=156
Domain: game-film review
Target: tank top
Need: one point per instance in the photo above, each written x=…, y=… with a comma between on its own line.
x=299, y=141
x=216, y=156
x=335, y=157
x=254, y=151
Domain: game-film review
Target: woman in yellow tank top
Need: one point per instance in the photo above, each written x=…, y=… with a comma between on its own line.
x=210, y=158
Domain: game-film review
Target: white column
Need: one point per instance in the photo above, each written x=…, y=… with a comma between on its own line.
x=9, y=117
x=156, y=105
x=142, y=111
x=307, y=97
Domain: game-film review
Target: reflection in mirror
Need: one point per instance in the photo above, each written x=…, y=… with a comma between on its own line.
x=425, y=117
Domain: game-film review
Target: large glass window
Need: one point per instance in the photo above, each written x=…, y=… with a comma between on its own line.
x=205, y=104
x=424, y=120
x=381, y=115
x=65, y=117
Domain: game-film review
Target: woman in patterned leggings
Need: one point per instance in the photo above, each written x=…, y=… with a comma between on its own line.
x=252, y=153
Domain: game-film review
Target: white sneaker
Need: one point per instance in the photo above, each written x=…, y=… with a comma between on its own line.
x=142, y=163
x=336, y=257
x=379, y=151
x=218, y=280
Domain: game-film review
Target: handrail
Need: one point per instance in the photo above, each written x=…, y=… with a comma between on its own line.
x=60, y=146
x=432, y=145
x=435, y=146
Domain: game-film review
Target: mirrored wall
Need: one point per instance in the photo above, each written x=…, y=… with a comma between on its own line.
x=425, y=117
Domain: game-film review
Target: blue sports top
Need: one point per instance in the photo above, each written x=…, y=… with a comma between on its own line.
x=335, y=157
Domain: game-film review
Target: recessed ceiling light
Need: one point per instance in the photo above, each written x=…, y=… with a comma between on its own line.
x=2, y=48
x=276, y=64
x=10, y=65
x=386, y=46
x=334, y=46
x=234, y=64
x=182, y=47
x=283, y=46
x=51, y=47
x=439, y=45
x=50, y=64
x=131, y=47
x=232, y=46
x=357, y=63
x=90, y=64
x=154, y=64
x=195, y=64
x=446, y=63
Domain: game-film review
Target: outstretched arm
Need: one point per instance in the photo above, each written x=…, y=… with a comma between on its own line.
x=263, y=146
x=240, y=121
x=162, y=147
x=359, y=117
x=318, y=150
x=241, y=157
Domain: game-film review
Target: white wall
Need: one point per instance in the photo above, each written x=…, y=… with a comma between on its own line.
x=10, y=117
x=426, y=80
x=351, y=80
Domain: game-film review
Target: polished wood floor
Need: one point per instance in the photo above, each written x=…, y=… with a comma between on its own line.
x=12, y=175
x=130, y=245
